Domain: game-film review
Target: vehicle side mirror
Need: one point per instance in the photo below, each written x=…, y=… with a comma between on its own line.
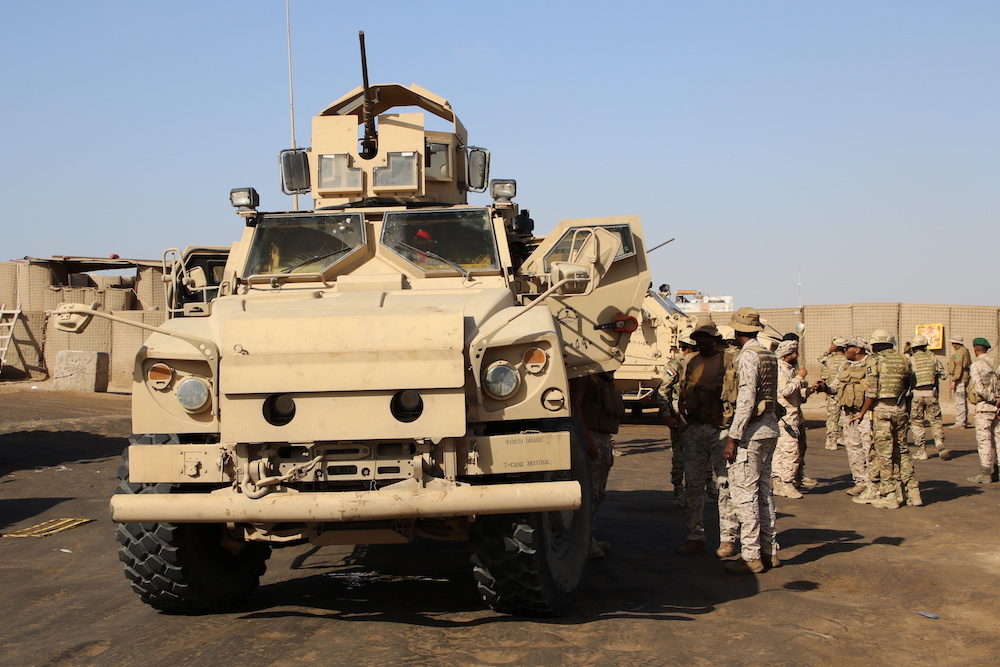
x=295, y=171
x=196, y=278
x=477, y=169
x=74, y=317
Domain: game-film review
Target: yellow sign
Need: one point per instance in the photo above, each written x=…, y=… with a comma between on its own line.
x=934, y=333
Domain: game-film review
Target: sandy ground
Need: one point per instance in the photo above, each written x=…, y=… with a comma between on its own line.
x=849, y=591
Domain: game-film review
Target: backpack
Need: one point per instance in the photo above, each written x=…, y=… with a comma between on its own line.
x=991, y=387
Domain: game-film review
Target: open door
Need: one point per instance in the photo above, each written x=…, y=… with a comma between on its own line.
x=609, y=257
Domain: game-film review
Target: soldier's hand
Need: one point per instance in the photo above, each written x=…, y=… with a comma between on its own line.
x=953, y=383
x=729, y=451
x=803, y=372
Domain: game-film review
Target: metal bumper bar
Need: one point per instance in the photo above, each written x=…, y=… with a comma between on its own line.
x=412, y=502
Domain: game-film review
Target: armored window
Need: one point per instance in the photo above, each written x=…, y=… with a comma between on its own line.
x=307, y=243
x=445, y=241
x=574, y=238
x=400, y=172
x=336, y=174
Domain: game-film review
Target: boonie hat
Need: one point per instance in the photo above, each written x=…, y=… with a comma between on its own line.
x=746, y=320
x=856, y=341
x=982, y=341
x=957, y=339
x=838, y=341
x=727, y=332
x=705, y=327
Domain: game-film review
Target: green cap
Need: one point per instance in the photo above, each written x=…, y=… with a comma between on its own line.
x=982, y=341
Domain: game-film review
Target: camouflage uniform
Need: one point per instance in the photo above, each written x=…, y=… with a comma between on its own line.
x=786, y=452
x=602, y=409
x=958, y=372
x=673, y=371
x=848, y=389
x=888, y=376
x=925, y=405
x=755, y=430
x=830, y=363
x=982, y=381
x=703, y=442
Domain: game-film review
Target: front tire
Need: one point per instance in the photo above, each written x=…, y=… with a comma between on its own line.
x=534, y=564
x=185, y=568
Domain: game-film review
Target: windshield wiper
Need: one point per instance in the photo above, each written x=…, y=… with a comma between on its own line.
x=315, y=259
x=458, y=267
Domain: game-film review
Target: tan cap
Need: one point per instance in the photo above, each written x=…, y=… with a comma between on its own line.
x=957, y=339
x=746, y=320
x=727, y=332
x=705, y=327
x=838, y=341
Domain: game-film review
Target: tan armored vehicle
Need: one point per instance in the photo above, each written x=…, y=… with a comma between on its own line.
x=650, y=347
x=393, y=364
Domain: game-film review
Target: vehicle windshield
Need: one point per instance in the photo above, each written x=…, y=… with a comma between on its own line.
x=457, y=240
x=308, y=243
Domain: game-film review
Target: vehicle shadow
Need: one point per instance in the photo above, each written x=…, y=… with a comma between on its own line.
x=430, y=583
x=15, y=510
x=27, y=450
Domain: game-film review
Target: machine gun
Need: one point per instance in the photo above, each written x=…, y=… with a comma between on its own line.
x=369, y=145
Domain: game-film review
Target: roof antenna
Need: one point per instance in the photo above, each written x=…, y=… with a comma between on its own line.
x=291, y=96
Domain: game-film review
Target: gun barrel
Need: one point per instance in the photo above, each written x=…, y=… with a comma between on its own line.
x=369, y=145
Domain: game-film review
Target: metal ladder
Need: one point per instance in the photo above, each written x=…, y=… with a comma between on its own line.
x=8, y=320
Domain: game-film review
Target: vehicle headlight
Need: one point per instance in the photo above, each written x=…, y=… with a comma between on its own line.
x=194, y=394
x=501, y=380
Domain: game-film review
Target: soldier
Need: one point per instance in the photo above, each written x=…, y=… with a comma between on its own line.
x=830, y=362
x=600, y=406
x=958, y=370
x=673, y=372
x=889, y=380
x=749, y=449
x=925, y=405
x=792, y=389
x=984, y=392
x=847, y=386
x=701, y=405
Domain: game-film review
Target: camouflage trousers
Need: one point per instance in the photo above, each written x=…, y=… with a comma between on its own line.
x=601, y=466
x=987, y=434
x=676, y=457
x=787, y=454
x=858, y=442
x=750, y=486
x=703, y=452
x=889, y=442
x=834, y=429
x=926, y=408
x=961, y=404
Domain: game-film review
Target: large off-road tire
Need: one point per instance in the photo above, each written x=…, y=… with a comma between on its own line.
x=185, y=568
x=534, y=564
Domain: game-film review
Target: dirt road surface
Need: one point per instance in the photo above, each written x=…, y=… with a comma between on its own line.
x=852, y=582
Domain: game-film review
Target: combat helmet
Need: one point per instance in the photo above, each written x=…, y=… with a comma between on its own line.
x=881, y=336
x=685, y=336
x=919, y=340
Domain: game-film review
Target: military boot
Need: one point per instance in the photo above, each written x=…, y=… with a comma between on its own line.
x=943, y=453
x=890, y=502
x=921, y=452
x=726, y=550
x=856, y=490
x=984, y=477
x=866, y=497
x=913, y=498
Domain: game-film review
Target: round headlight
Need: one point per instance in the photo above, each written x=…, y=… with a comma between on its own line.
x=160, y=375
x=193, y=394
x=501, y=380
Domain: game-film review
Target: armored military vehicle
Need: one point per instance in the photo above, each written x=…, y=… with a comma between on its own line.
x=650, y=347
x=393, y=364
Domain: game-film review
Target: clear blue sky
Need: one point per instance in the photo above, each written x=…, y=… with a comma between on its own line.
x=859, y=139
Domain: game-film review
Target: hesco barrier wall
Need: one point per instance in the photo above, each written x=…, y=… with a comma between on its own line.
x=36, y=287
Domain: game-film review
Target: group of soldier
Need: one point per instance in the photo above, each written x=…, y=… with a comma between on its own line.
x=733, y=407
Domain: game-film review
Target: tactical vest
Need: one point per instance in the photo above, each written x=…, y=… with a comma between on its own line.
x=893, y=370
x=923, y=367
x=831, y=361
x=851, y=387
x=703, y=403
x=767, y=383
